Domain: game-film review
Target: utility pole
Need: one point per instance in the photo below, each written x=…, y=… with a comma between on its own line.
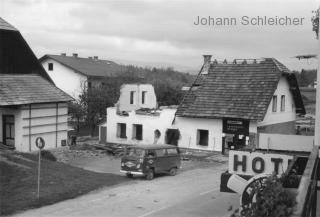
x=317, y=121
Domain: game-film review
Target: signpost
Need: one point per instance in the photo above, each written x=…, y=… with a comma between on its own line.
x=40, y=144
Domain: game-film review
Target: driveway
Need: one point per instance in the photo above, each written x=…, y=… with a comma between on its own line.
x=193, y=192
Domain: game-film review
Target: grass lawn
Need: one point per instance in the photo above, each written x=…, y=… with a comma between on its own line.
x=18, y=182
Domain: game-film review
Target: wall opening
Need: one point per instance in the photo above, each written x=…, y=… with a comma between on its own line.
x=137, y=131
x=202, y=137
x=172, y=136
x=122, y=130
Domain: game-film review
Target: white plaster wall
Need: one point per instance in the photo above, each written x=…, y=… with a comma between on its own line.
x=43, y=123
x=188, y=129
x=65, y=78
x=290, y=111
x=286, y=142
x=150, y=124
x=124, y=100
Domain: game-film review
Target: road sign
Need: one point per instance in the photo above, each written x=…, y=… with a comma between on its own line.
x=40, y=142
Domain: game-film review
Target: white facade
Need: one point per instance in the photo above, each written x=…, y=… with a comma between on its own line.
x=65, y=78
x=136, y=96
x=160, y=120
x=48, y=121
x=189, y=128
x=280, y=116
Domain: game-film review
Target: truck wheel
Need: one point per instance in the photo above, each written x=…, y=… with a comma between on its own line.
x=150, y=174
x=173, y=171
x=129, y=175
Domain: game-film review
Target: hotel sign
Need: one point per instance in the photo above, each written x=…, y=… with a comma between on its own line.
x=235, y=126
x=254, y=163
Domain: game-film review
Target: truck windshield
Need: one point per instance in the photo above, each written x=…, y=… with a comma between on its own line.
x=136, y=152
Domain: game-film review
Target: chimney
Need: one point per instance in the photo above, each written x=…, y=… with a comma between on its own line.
x=95, y=57
x=206, y=64
x=75, y=55
x=63, y=54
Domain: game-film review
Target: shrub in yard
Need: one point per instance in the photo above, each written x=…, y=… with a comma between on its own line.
x=272, y=201
x=45, y=154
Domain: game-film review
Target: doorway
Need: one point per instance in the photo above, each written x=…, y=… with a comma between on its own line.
x=172, y=136
x=8, y=130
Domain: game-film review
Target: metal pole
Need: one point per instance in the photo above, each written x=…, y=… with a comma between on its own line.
x=39, y=173
x=317, y=122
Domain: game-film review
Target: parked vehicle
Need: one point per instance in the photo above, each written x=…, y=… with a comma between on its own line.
x=147, y=160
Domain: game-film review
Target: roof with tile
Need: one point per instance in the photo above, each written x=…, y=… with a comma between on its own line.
x=237, y=91
x=88, y=67
x=23, y=89
x=6, y=26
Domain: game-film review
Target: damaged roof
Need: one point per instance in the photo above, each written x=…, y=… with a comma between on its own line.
x=88, y=66
x=237, y=91
x=22, y=89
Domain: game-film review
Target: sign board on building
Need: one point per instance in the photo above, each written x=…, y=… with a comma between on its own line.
x=254, y=163
x=235, y=126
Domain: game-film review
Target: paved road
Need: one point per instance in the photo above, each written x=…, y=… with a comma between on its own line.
x=190, y=193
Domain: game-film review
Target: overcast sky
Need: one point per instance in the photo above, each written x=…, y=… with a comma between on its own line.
x=162, y=32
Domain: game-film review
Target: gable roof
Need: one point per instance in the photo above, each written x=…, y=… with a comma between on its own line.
x=28, y=88
x=4, y=25
x=237, y=91
x=86, y=66
x=16, y=57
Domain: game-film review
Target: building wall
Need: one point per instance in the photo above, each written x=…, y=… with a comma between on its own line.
x=280, y=116
x=65, y=78
x=46, y=121
x=189, y=126
x=124, y=100
x=150, y=123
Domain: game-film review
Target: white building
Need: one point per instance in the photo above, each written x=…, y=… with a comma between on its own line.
x=31, y=105
x=73, y=74
x=226, y=107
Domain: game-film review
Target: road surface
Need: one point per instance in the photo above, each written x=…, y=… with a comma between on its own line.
x=190, y=193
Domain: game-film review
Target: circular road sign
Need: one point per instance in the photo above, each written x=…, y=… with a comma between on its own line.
x=40, y=142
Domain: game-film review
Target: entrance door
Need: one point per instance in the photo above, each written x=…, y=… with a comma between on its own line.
x=8, y=130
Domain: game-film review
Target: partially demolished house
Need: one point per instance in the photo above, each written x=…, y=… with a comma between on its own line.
x=30, y=104
x=225, y=108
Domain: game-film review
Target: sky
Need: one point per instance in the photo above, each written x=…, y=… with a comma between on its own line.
x=162, y=33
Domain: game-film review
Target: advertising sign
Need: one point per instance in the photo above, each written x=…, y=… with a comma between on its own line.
x=254, y=163
x=235, y=126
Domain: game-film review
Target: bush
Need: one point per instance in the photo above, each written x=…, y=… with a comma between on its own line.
x=47, y=155
x=272, y=201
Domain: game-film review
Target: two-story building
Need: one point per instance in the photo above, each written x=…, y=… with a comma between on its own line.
x=31, y=105
x=227, y=106
x=73, y=74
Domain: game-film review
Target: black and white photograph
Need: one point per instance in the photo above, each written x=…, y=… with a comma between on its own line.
x=159, y=108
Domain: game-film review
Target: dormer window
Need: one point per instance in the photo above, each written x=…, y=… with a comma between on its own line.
x=50, y=66
x=143, y=97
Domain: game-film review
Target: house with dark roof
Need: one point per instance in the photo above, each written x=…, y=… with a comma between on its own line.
x=230, y=103
x=31, y=105
x=73, y=74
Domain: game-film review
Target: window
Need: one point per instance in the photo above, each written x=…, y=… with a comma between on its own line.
x=122, y=130
x=161, y=152
x=144, y=97
x=50, y=66
x=283, y=103
x=274, y=104
x=89, y=84
x=137, y=131
x=131, y=97
x=172, y=151
x=203, y=136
